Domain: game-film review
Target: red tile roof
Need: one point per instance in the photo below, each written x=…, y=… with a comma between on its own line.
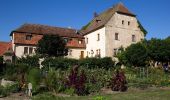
x=44, y=29
x=4, y=47
x=20, y=38
x=104, y=17
x=37, y=31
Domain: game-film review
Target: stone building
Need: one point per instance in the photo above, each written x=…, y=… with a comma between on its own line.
x=102, y=37
x=107, y=32
x=25, y=38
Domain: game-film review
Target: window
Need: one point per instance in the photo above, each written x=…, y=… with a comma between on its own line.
x=30, y=50
x=87, y=41
x=92, y=52
x=128, y=23
x=97, y=52
x=80, y=41
x=122, y=22
x=25, y=50
x=114, y=52
x=28, y=37
x=133, y=38
x=116, y=36
x=98, y=37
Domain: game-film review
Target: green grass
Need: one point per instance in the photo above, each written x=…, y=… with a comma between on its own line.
x=152, y=94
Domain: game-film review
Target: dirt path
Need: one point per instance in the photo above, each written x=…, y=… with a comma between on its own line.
x=16, y=96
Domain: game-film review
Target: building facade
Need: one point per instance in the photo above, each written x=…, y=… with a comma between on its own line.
x=114, y=28
x=25, y=38
x=102, y=37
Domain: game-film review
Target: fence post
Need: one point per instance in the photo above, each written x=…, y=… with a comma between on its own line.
x=49, y=66
x=144, y=72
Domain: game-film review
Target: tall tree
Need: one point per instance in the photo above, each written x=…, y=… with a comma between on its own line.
x=52, y=46
x=134, y=55
x=159, y=50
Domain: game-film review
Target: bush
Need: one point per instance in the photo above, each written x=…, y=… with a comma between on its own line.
x=119, y=82
x=77, y=81
x=34, y=78
x=29, y=60
x=59, y=63
x=14, y=88
x=3, y=91
x=105, y=62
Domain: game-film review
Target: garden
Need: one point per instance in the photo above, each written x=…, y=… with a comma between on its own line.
x=142, y=71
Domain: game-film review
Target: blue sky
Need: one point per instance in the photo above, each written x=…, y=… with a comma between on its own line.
x=153, y=14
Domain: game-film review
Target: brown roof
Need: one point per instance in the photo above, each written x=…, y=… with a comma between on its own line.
x=4, y=47
x=44, y=29
x=104, y=17
x=20, y=38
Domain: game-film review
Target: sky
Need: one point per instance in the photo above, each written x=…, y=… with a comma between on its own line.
x=154, y=15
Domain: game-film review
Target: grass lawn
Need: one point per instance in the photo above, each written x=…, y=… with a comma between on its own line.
x=160, y=94
x=152, y=94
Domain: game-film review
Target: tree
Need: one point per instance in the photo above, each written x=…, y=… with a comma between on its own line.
x=136, y=55
x=159, y=50
x=52, y=46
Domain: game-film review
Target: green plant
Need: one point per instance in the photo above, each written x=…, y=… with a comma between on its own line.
x=51, y=46
x=32, y=61
x=91, y=63
x=3, y=91
x=59, y=63
x=34, y=78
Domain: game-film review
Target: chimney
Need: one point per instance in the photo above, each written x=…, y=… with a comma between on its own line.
x=95, y=14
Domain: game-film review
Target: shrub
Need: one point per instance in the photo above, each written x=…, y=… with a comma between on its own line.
x=29, y=60
x=119, y=82
x=105, y=62
x=13, y=88
x=59, y=62
x=34, y=78
x=3, y=91
x=76, y=81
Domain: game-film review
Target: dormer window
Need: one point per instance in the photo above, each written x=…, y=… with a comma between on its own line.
x=98, y=20
x=28, y=37
x=80, y=41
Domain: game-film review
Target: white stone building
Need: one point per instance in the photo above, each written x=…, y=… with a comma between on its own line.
x=114, y=28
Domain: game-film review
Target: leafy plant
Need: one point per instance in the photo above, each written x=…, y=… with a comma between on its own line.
x=119, y=82
x=32, y=61
x=77, y=81
x=59, y=63
x=34, y=78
